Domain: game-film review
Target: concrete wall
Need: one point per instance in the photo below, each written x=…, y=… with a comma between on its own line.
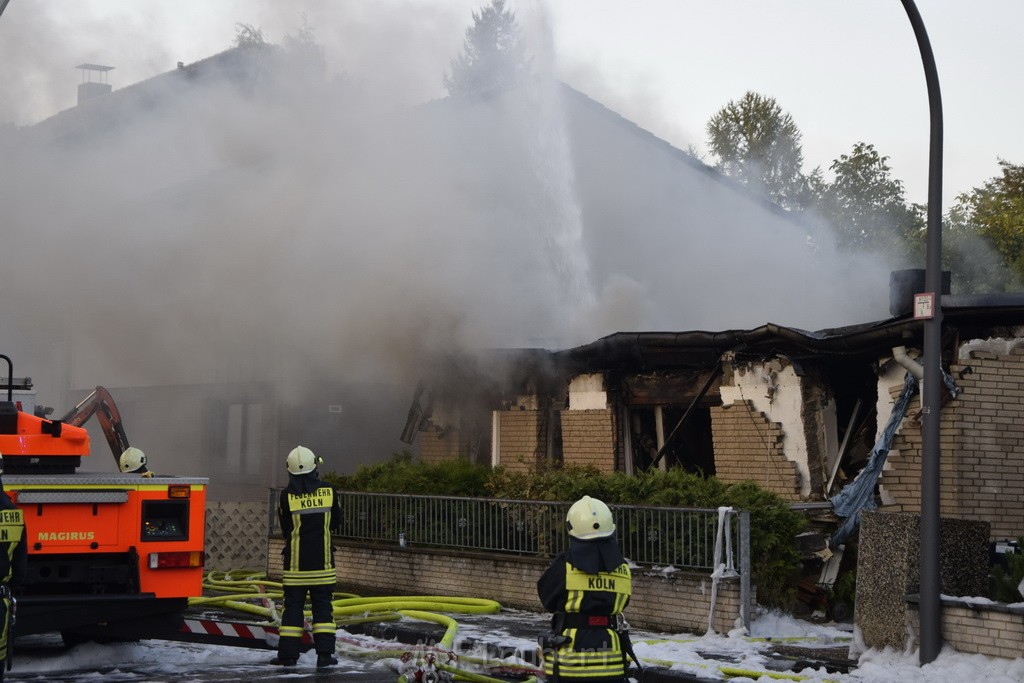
x=661, y=601
x=888, y=570
x=749, y=446
x=587, y=392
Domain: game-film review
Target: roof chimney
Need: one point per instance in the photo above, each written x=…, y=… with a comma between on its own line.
x=94, y=81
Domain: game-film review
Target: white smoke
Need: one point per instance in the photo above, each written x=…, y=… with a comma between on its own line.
x=223, y=230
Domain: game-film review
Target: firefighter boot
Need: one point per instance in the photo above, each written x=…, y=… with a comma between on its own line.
x=325, y=660
x=283, y=661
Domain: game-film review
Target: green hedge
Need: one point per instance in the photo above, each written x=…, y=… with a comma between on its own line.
x=773, y=525
x=1007, y=580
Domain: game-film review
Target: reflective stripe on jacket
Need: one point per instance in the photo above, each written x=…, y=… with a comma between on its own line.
x=594, y=653
x=306, y=521
x=12, y=543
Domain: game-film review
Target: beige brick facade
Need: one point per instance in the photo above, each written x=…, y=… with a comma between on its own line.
x=522, y=439
x=982, y=434
x=661, y=601
x=588, y=438
x=439, y=446
x=749, y=446
x=991, y=630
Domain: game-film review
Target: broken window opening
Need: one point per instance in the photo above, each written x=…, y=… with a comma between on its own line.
x=690, y=447
x=855, y=389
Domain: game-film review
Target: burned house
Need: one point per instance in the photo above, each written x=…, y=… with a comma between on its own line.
x=796, y=411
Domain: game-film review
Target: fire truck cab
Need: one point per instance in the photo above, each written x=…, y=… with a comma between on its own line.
x=110, y=555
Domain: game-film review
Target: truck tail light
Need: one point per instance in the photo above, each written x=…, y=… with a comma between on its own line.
x=179, y=491
x=180, y=559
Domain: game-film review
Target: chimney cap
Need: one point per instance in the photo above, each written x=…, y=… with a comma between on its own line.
x=94, y=67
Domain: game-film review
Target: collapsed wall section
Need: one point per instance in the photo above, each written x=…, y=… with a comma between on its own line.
x=748, y=446
x=982, y=446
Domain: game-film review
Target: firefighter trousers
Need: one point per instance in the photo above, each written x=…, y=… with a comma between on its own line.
x=290, y=644
x=5, y=635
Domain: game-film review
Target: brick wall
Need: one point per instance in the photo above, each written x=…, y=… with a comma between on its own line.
x=749, y=446
x=522, y=439
x=661, y=601
x=438, y=446
x=982, y=434
x=993, y=630
x=588, y=438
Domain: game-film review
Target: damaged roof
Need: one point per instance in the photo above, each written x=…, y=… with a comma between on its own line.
x=964, y=317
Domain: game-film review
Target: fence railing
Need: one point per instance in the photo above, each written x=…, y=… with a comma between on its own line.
x=684, y=538
x=690, y=539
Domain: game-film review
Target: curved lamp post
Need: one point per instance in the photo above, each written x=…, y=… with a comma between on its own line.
x=930, y=607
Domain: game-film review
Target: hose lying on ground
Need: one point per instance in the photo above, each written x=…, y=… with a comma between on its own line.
x=250, y=592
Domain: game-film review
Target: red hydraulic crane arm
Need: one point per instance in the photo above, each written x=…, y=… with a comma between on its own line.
x=101, y=404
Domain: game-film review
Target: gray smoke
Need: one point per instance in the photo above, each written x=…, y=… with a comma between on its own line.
x=224, y=228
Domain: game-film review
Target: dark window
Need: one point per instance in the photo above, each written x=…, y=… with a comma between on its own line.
x=164, y=520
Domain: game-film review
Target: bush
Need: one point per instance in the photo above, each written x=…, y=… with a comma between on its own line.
x=401, y=474
x=773, y=525
x=1007, y=580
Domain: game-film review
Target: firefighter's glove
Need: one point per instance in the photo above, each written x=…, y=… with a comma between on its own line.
x=552, y=641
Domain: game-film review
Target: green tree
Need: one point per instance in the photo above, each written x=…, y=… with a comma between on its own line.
x=972, y=259
x=247, y=35
x=996, y=212
x=493, y=57
x=865, y=206
x=305, y=53
x=759, y=144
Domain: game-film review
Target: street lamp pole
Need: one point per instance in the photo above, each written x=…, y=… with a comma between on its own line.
x=930, y=607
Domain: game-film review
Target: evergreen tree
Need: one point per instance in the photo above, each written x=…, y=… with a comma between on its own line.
x=492, y=56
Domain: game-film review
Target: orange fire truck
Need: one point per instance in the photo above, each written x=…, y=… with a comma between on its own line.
x=110, y=555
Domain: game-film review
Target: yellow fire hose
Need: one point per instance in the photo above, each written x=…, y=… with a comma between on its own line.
x=242, y=588
x=249, y=591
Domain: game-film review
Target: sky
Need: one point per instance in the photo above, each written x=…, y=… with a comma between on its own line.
x=846, y=71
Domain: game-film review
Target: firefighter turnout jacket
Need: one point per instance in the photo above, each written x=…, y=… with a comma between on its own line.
x=13, y=565
x=587, y=643
x=308, y=514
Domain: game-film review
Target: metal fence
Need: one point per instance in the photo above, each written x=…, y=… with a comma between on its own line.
x=684, y=538
x=689, y=539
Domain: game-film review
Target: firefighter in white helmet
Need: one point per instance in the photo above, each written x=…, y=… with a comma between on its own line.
x=586, y=588
x=13, y=566
x=309, y=510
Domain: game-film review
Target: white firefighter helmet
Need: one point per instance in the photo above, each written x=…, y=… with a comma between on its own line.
x=589, y=518
x=302, y=461
x=132, y=460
